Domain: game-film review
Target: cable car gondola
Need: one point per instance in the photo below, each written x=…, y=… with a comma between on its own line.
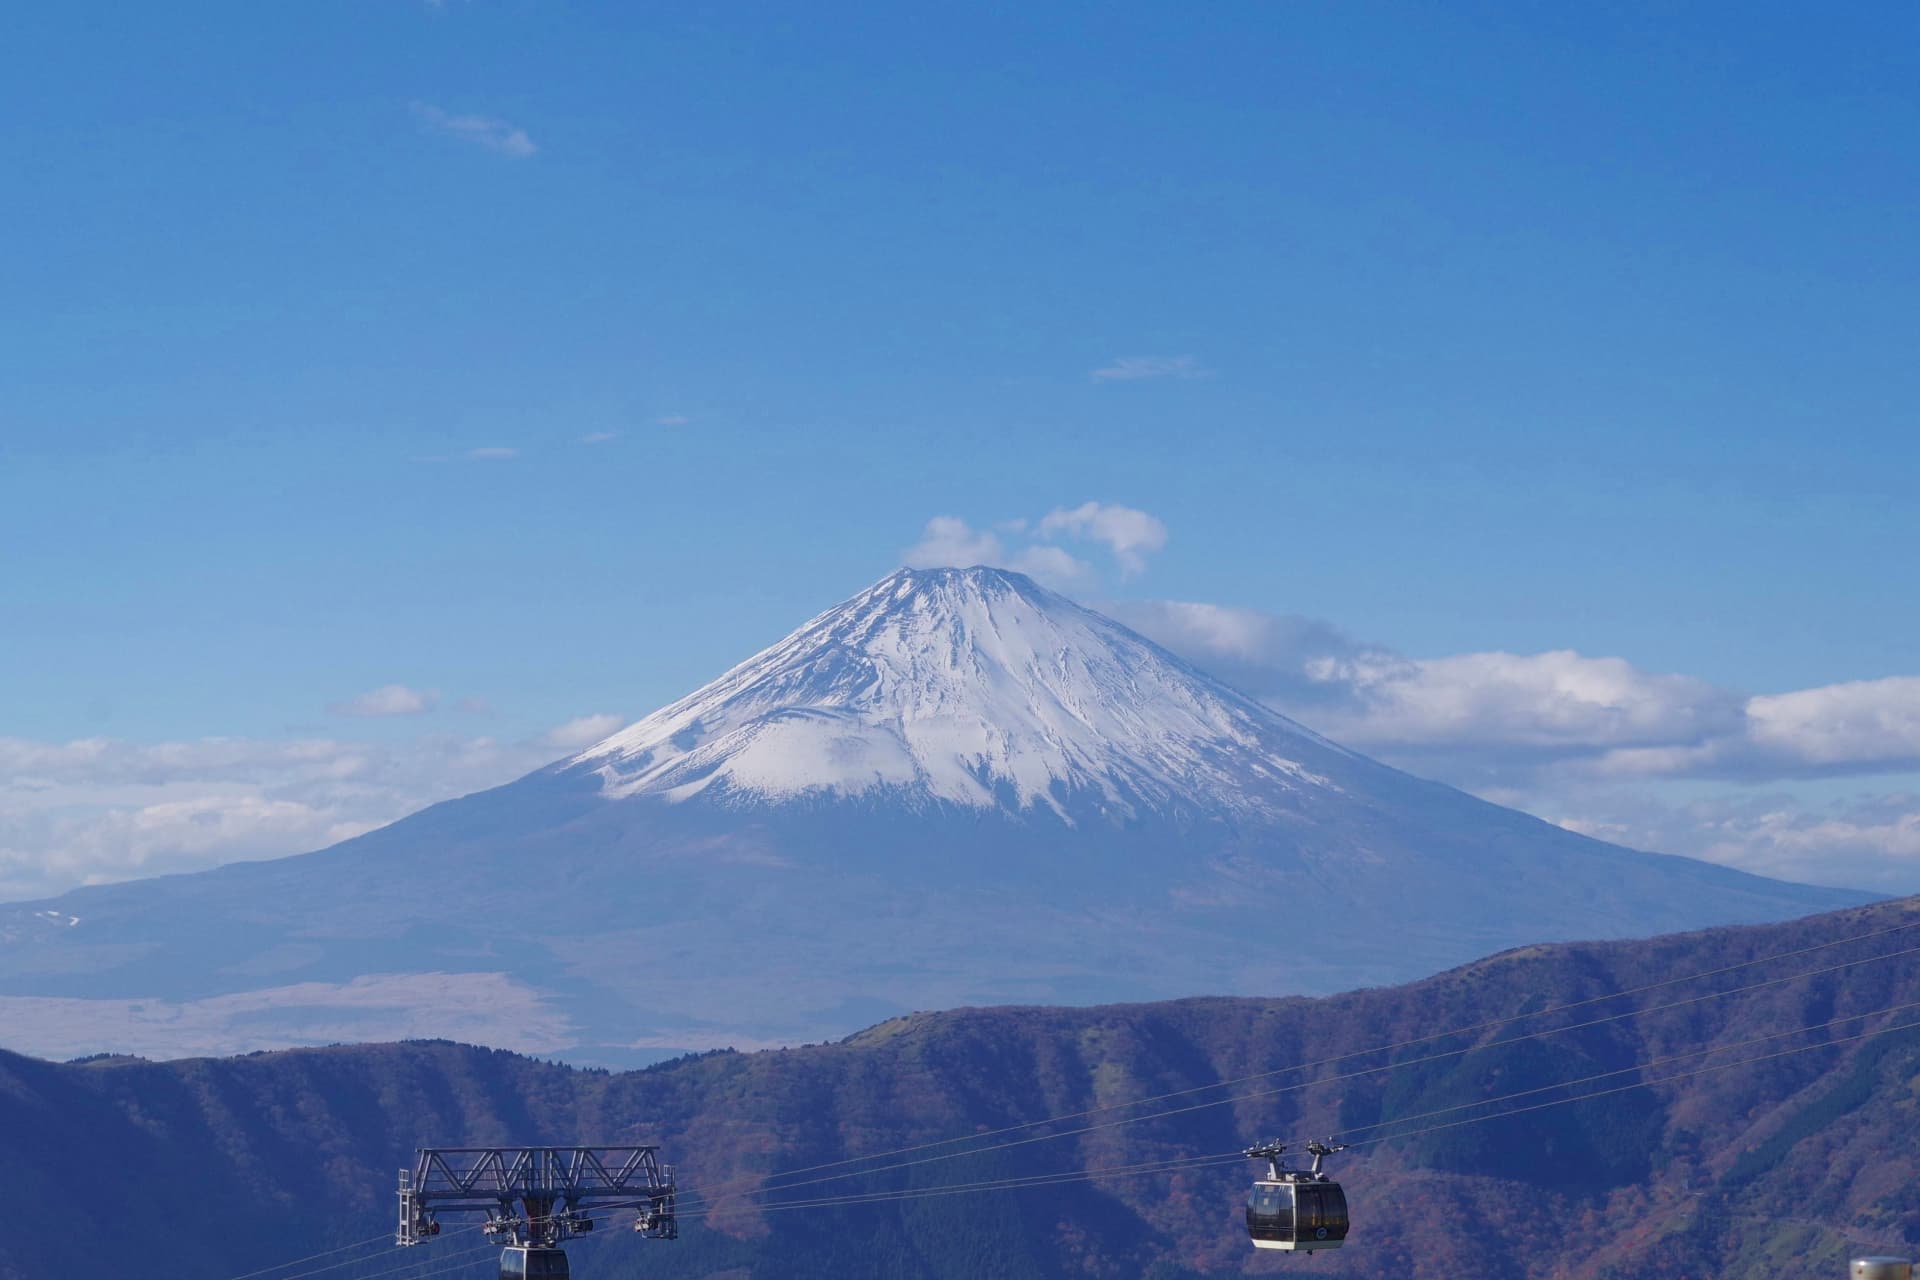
x=530, y=1262
x=1299, y=1210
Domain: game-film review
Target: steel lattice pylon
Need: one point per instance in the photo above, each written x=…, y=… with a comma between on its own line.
x=535, y=1196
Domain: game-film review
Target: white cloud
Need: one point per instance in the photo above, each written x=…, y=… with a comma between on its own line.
x=950, y=542
x=388, y=700
x=1603, y=713
x=672, y=420
x=1052, y=565
x=1857, y=727
x=583, y=731
x=1869, y=850
x=1861, y=722
x=98, y=809
x=492, y=453
x=1866, y=842
x=1554, y=699
x=599, y=437
x=1028, y=546
x=495, y=135
x=1595, y=743
x=1269, y=655
x=1136, y=368
x=1127, y=531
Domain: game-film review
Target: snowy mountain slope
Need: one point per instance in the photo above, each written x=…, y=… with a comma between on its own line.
x=974, y=687
x=955, y=788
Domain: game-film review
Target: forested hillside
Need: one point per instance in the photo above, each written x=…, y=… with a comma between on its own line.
x=210, y=1168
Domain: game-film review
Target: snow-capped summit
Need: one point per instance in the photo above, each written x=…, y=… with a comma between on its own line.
x=973, y=687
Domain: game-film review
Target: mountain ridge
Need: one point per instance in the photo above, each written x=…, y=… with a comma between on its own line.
x=1748, y=1171
x=1135, y=830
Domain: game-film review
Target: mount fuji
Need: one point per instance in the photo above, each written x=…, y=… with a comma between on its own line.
x=954, y=788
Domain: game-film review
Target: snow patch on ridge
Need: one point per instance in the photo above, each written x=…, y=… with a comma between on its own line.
x=971, y=687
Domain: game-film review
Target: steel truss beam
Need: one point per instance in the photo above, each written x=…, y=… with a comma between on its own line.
x=555, y=1186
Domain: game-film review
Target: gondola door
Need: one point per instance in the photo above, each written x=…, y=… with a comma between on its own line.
x=1319, y=1216
x=1270, y=1215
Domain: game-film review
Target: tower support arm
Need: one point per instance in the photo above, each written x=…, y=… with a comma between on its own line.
x=554, y=1185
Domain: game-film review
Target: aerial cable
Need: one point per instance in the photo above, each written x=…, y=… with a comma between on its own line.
x=1639, y=1066
x=1482, y=1102
x=385, y=1236
x=1489, y=1025
x=695, y=1209
x=765, y=1186
x=487, y=1262
x=469, y=1255
x=1177, y=1166
x=696, y=1200
x=1644, y=1084
x=472, y=1252
x=478, y=1256
x=1171, y=1165
x=485, y=1257
x=354, y=1262
x=1194, y=1163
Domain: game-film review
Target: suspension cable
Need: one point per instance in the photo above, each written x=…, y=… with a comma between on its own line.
x=314, y=1257
x=1643, y=1066
x=697, y=1200
x=1643, y=1084
x=1489, y=1025
x=701, y=1203
x=1196, y=1162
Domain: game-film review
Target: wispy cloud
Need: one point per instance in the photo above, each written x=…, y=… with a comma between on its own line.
x=672, y=420
x=1128, y=532
x=1137, y=368
x=493, y=453
x=1598, y=744
x=1031, y=546
x=482, y=131
x=388, y=700
x=951, y=541
x=583, y=731
x=599, y=437
x=98, y=810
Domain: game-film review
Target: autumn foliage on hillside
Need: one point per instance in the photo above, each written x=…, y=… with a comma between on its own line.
x=1776, y=1167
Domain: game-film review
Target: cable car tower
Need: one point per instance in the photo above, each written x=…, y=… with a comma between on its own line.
x=535, y=1198
x=1298, y=1210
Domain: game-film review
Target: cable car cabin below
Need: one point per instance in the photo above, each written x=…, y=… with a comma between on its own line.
x=1296, y=1216
x=524, y=1263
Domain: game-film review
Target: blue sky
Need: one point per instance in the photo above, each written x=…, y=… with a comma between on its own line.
x=546, y=358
